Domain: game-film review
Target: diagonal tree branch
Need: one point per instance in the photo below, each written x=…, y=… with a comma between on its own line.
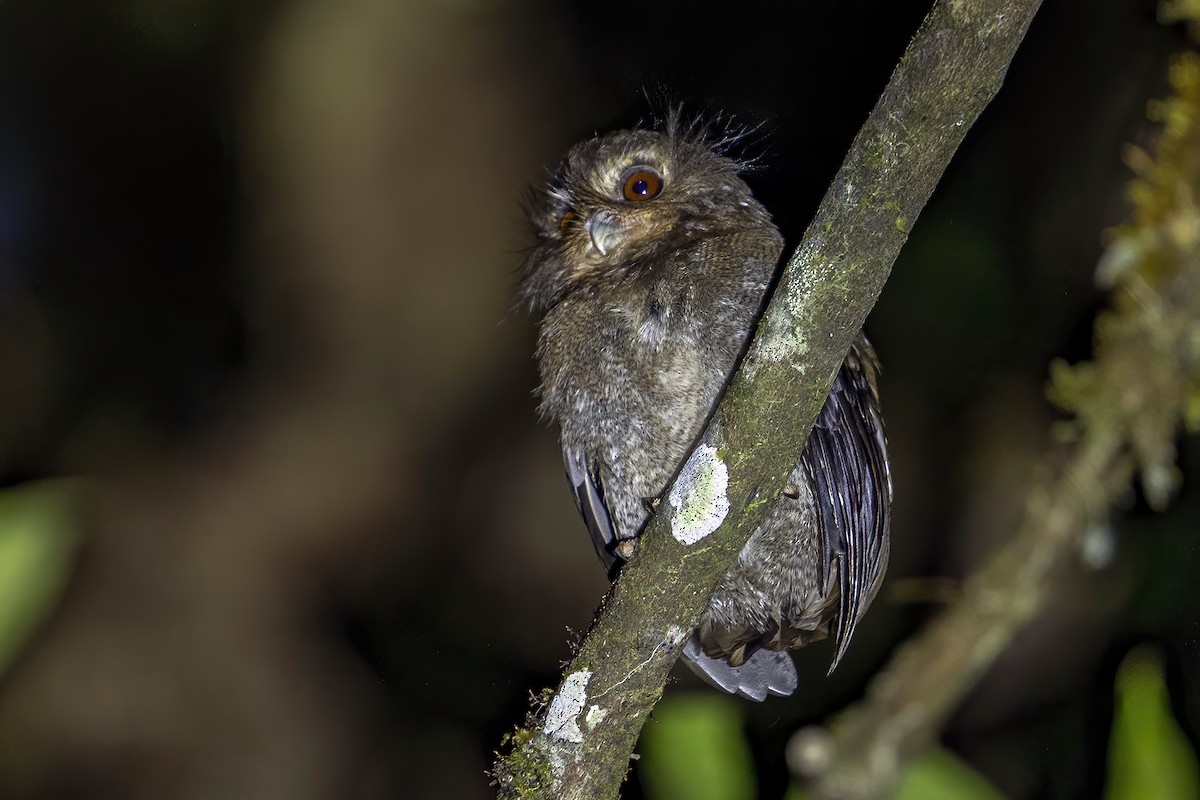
x=579, y=744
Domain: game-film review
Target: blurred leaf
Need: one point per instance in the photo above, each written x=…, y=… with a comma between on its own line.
x=38, y=532
x=942, y=775
x=1148, y=755
x=794, y=792
x=693, y=748
x=937, y=775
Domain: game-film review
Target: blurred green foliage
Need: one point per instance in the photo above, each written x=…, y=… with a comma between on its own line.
x=1149, y=756
x=38, y=534
x=693, y=748
x=941, y=775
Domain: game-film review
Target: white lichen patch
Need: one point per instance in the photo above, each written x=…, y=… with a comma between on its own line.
x=595, y=715
x=566, y=706
x=699, y=500
x=676, y=635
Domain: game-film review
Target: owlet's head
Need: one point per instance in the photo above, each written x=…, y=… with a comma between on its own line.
x=619, y=200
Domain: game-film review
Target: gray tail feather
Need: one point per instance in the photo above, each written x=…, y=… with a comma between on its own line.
x=764, y=672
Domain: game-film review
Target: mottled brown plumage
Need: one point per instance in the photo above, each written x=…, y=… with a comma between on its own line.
x=651, y=264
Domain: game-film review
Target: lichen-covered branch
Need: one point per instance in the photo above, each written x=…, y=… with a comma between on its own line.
x=1128, y=404
x=579, y=744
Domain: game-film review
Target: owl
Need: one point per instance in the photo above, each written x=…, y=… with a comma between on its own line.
x=651, y=266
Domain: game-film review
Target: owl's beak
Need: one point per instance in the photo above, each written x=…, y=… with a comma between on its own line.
x=604, y=230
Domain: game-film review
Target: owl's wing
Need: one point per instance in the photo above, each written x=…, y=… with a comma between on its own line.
x=588, y=492
x=847, y=465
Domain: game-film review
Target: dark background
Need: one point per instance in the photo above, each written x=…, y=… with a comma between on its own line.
x=213, y=212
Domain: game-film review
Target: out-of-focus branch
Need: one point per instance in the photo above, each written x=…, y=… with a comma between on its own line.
x=580, y=744
x=1128, y=403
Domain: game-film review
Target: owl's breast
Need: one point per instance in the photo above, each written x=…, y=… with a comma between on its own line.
x=631, y=372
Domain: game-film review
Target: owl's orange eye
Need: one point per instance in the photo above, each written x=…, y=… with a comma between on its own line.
x=565, y=222
x=642, y=183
